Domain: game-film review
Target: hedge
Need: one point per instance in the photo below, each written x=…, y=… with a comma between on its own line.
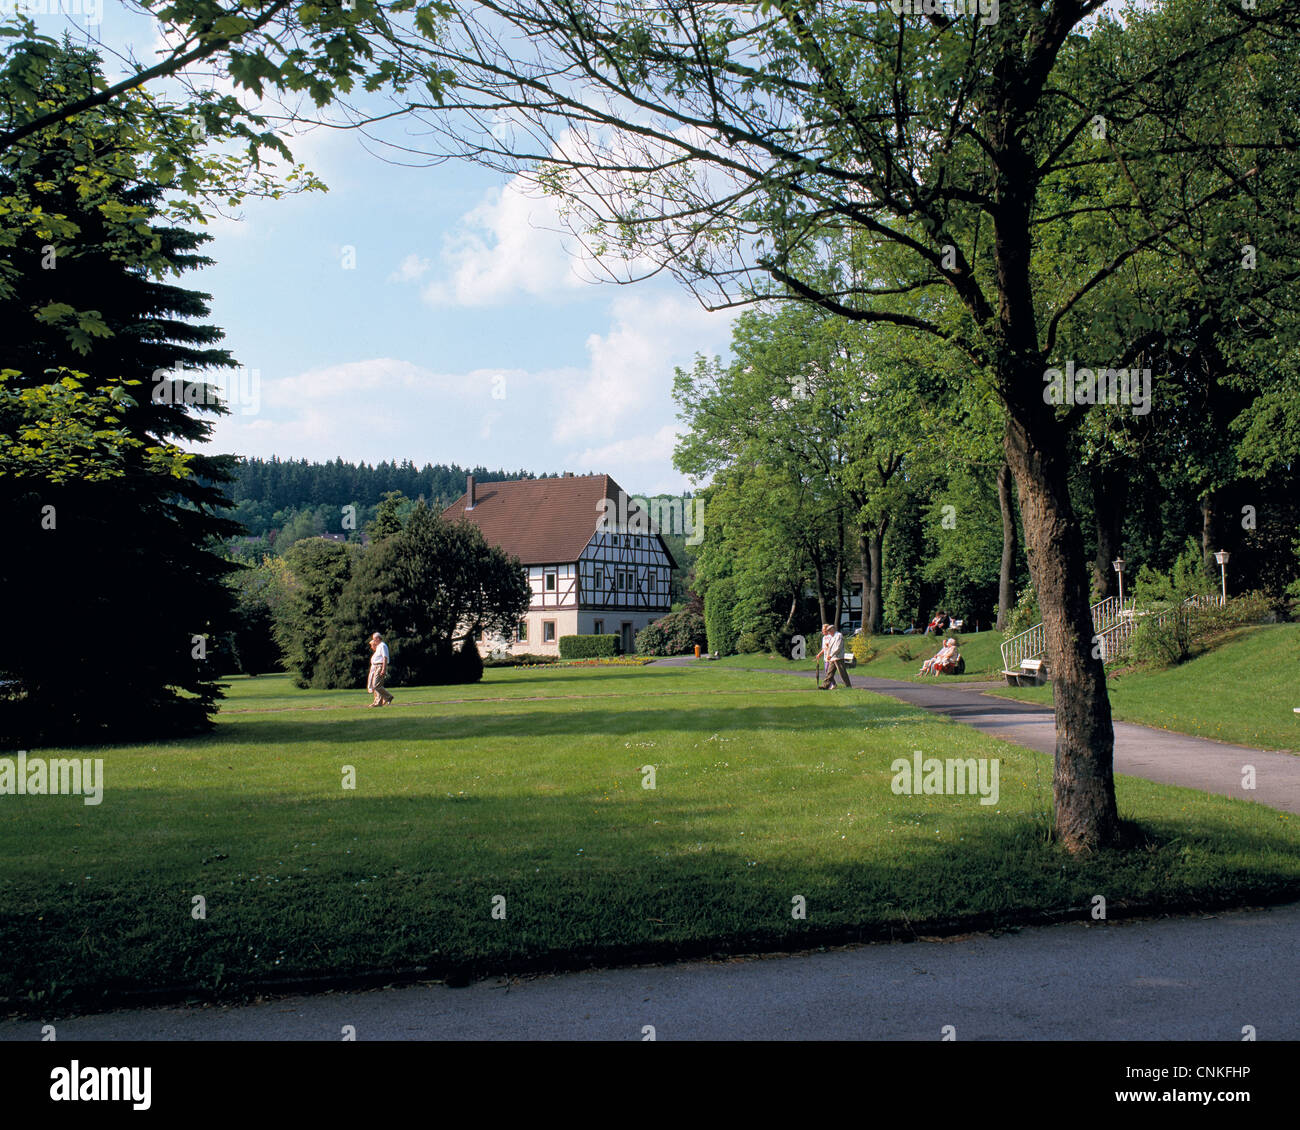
x=719, y=603
x=588, y=647
x=674, y=634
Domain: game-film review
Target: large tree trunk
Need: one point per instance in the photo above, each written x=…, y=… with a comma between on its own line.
x=839, y=591
x=872, y=542
x=1083, y=782
x=1006, y=594
x=794, y=607
x=1209, y=534
x=1109, y=495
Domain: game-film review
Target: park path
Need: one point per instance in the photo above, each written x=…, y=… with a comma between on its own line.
x=1140, y=751
x=1201, y=978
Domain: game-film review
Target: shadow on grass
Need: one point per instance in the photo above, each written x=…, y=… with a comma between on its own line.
x=504, y=719
x=303, y=893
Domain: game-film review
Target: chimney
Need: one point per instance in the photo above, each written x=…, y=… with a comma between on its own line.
x=469, y=492
x=568, y=474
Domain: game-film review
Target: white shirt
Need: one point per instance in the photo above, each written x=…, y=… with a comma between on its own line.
x=835, y=649
x=380, y=655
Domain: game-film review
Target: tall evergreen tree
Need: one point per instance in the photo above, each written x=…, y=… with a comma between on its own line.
x=116, y=588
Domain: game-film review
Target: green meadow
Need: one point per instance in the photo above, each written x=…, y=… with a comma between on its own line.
x=507, y=826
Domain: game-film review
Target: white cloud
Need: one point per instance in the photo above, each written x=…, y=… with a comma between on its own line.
x=616, y=415
x=631, y=368
x=509, y=243
x=410, y=269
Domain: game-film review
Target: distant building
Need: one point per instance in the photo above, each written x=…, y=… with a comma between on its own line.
x=594, y=563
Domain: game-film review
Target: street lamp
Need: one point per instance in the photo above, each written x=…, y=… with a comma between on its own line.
x=1118, y=563
x=1221, y=556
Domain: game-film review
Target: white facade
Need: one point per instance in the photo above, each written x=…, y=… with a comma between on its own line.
x=619, y=585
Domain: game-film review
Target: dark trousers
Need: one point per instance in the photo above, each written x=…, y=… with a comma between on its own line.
x=832, y=667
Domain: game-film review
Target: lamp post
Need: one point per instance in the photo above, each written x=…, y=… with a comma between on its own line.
x=1118, y=564
x=1221, y=556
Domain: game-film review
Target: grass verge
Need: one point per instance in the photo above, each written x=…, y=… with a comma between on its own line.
x=1242, y=690
x=530, y=786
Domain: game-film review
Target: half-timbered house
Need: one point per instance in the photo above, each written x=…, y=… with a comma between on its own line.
x=594, y=564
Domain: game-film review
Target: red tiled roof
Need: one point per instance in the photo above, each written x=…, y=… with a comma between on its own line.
x=540, y=521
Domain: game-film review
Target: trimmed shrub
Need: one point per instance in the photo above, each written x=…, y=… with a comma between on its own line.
x=466, y=664
x=674, y=634
x=1248, y=608
x=589, y=647
x=779, y=641
x=719, y=603
x=748, y=643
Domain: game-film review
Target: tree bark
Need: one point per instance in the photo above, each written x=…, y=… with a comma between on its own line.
x=1109, y=495
x=839, y=591
x=872, y=541
x=1006, y=594
x=1083, y=782
x=794, y=607
x=1209, y=534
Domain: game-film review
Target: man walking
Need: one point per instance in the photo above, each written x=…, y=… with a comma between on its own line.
x=378, y=671
x=834, y=650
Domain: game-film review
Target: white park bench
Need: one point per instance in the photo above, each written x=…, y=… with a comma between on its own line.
x=1032, y=672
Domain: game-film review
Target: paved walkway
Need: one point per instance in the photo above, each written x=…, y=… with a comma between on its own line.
x=1140, y=751
x=1164, y=979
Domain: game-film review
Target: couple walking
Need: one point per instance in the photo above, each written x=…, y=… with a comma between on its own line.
x=378, y=671
x=833, y=652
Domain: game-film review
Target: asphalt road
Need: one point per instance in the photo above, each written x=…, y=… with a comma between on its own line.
x=1202, y=978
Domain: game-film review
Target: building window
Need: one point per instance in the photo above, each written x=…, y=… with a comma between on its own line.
x=599, y=627
x=613, y=540
x=598, y=577
x=550, y=582
x=548, y=631
x=521, y=632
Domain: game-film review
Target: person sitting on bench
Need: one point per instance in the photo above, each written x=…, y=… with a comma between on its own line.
x=944, y=661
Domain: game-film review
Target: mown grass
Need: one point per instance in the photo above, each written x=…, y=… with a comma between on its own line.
x=895, y=657
x=529, y=785
x=1243, y=689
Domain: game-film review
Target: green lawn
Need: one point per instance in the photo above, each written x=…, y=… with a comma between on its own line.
x=1243, y=690
x=981, y=650
x=529, y=785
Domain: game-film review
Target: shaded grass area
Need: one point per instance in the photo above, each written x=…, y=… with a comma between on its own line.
x=759, y=796
x=1241, y=690
x=895, y=657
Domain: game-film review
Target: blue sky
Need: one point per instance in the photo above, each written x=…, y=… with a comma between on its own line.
x=466, y=332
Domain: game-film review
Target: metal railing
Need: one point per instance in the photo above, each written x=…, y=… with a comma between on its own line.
x=1114, y=640
x=1032, y=643
x=1112, y=627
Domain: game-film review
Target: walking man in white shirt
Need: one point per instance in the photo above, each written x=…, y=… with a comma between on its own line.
x=833, y=647
x=378, y=671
